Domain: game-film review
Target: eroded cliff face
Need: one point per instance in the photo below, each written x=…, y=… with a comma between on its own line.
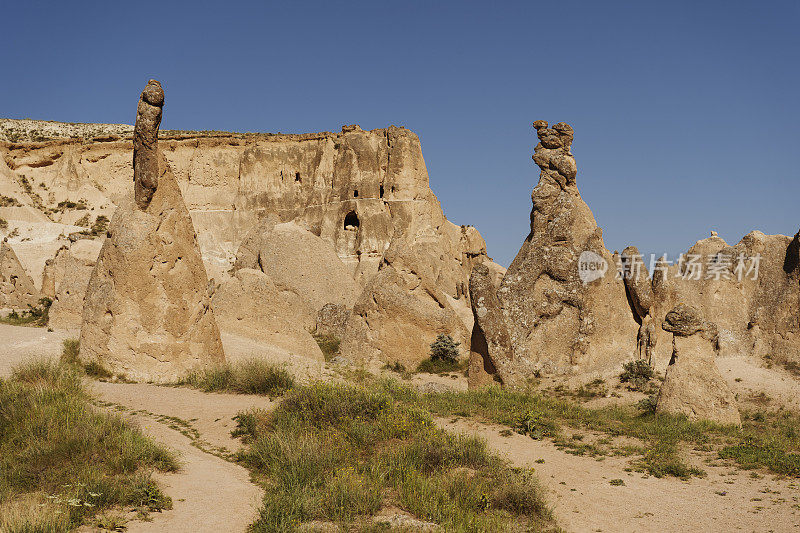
x=358, y=189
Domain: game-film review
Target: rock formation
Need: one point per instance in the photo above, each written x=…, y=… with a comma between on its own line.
x=145, y=143
x=249, y=304
x=400, y=313
x=556, y=321
x=65, y=279
x=17, y=290
x=751, y=289
x=147, y=310
x=693, y=385
x=332, y=320
x=299, y=262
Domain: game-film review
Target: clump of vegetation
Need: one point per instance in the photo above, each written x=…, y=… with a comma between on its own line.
x=443, y=356
x=245, y=377
x=7, y=201
x=398, y=367
x=68, y=205
x=594, y=389
x=83, y=221
x=341, y=453
x=70, y=353
x=61, y=461
x=637, y=374
x=99, y=227
x=36, y=316
x=329, y=344
x=3, y=224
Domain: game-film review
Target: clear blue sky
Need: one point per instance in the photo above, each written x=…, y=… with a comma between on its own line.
x=686, y=113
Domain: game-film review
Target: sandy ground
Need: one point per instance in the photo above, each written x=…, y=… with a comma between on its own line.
x=209, y=493
x=18, y=344
x=584, y=500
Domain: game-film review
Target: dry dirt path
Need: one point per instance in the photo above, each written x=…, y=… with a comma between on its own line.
x=210, y=493
x=583, y=499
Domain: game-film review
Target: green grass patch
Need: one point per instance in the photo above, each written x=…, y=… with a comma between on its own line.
x=61, y=461
x=766, y=440
x=36, y=316
x=245, y=377
x=439, y=366
x=340, y=453
x=329, y=344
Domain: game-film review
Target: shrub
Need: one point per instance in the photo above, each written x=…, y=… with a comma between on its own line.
x=37, y=316
x=3, y=224
x=70, y=351
x=444, y=348
x=637, y=373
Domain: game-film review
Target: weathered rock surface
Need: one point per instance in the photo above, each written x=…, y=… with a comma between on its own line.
x=299, y=262
x=251, y=305
x=693, y=385
x=400, y=313
x=17, y=290
x=147, y=310
x=750, y=290
x=637, y=281
x=65, y=280
x=555, y=322
x=332, y=320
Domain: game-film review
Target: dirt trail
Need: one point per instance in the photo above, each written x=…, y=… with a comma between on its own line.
x=584, y=500
x=209, y=493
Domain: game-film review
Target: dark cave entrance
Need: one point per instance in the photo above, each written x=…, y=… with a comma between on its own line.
x=351, y=221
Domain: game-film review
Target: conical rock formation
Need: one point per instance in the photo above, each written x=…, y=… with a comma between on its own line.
x=147, y=311
x=17, y=290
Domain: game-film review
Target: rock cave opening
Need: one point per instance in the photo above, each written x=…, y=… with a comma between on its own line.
x=297, y=177
x=351, y=222
x=381, y=192
x=355, y=193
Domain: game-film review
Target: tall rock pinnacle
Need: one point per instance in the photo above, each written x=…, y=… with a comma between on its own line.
x=145, y=143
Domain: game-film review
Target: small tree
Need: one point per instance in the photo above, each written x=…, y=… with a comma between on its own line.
x=445, y=349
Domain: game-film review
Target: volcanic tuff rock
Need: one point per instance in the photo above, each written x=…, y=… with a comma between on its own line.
x=65, y=279
x=147, y=310
x=299, y=262
x=17, y=290
x=251, y=305
x=357, y=190
x=555, y=322
x=400, y=312
x=750, y=290
x=693, y=384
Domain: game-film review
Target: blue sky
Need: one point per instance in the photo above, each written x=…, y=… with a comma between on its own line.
x=686, y=113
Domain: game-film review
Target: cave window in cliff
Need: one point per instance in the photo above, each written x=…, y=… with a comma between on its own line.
x=381, y=191
x=297, y=177
x=355, y=193
x=351, y=222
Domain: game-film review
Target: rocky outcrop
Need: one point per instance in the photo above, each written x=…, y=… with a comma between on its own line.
x=145, y=144
x=249, y=304
x=752, y=290
x=65, y=279
x=400, y=313
x=332, y=320
x=359, y=190
x=693, y=385
x=17, y=290
x=147, y=310
x=299, y=262
x=558, y=320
